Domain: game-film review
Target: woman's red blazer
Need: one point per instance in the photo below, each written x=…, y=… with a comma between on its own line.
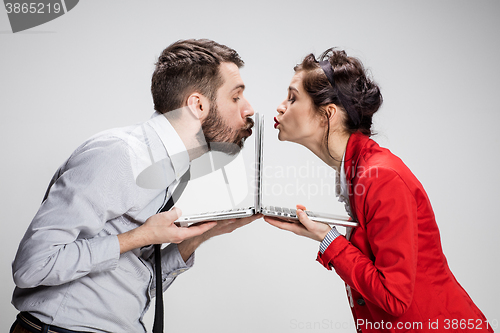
x=393, y=262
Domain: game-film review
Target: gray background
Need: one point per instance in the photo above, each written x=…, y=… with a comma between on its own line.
x=436, y=61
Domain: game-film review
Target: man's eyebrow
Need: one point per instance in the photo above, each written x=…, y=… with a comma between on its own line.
x=239, y=86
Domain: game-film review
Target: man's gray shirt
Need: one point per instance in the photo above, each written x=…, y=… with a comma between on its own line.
x=68, y=269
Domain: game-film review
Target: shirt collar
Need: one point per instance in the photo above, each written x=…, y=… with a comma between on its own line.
x=172, y=142
x=341, y=182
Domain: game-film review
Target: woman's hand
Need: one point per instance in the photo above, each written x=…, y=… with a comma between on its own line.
x=306, y=227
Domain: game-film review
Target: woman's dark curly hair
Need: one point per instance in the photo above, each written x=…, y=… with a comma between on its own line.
x=362, y=94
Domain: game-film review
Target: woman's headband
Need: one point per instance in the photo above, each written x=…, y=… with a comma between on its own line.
x=351, y=111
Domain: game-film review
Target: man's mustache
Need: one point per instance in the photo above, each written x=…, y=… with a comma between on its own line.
x=249, y=124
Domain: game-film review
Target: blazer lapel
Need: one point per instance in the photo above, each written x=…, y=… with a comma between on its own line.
x=355, y=145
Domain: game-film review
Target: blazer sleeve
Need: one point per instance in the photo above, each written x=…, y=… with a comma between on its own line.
x=389, y=211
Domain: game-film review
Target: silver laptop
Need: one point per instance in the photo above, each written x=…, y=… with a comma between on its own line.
x=286, y=214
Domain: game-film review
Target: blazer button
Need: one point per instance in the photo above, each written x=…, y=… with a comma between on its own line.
x=360, y=301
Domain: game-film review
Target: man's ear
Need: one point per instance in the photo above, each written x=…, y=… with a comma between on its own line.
x=198, y=105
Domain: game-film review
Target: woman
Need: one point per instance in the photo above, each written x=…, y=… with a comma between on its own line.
x=396, y=274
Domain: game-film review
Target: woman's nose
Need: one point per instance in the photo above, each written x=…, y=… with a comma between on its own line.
x=281, y=108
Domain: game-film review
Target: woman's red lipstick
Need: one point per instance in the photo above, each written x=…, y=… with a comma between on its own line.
x=276, y=122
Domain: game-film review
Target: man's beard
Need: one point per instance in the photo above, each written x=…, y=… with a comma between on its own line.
x=220, y=136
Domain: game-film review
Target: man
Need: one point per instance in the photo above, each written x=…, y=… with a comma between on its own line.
x=86, y=261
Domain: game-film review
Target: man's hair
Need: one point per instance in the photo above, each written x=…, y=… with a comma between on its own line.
x=188, y=66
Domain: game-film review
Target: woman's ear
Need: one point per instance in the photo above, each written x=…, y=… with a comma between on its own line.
x=330, y=112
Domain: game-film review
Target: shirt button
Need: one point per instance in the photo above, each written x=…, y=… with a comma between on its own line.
x=361, y=301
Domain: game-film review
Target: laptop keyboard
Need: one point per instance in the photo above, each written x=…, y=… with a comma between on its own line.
x=286, y=211
x=225, y=211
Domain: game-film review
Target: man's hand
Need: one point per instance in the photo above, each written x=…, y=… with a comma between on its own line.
x=228, y=226
x=159, y=229
x=306, y=227
x=187, y=247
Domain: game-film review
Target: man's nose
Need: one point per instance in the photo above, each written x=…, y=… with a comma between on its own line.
x=247, y=110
